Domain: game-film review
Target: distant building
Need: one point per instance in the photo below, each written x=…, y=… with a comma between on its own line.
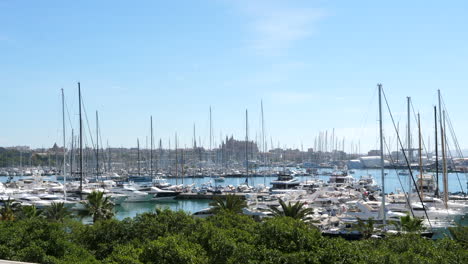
x=372, y=162
x=374, y=152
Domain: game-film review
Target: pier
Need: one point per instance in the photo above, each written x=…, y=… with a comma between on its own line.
x=206, y=196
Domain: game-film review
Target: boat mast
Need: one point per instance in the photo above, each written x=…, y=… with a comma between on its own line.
x=410, y=153
x=151, y=147
x=97, y=145
x=138, y=161
x=437, y=153
x=211, y=136
x=176, y=161
x=247, y=146
x=64, y=147
x=72, y=156
x=382, y=155
x=421, y=183
x=81, y=139
x=442, y=142
x=263, y=143
x=444, y=134
x=182, y=163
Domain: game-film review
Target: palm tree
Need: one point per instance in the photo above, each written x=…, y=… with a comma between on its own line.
x=98, y=206
x=29, y=212
x=232, y=203
x=296, y=211
x=366, y=228
x=57, y=212
x=9, y=209
x=411, y=224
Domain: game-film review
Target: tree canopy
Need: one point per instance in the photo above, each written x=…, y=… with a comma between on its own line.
x=166, y=236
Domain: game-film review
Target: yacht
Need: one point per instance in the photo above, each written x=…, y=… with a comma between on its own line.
x=133, y=194
x=285, y=181
x=159, y=194
x=160, y=182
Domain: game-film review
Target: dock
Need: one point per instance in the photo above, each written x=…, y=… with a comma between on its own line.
x=206, y=196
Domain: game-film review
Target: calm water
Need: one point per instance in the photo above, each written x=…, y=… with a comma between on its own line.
x=392, y=182
x=132, y=209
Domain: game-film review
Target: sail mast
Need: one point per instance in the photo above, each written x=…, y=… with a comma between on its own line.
x=138, y=161
x=444, y=134
x=421, y=183
x=176, y=161
x=410, y=153
x=64, y=147
x=151, y=147
x=72, y=157
x=97, y=145
x=81, y=139
x=247, y=146
x=436, y=153
x=263, y=143
x=442, y=142
x=382, y=155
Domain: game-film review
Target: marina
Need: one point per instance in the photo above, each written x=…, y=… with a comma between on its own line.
x=208, y=132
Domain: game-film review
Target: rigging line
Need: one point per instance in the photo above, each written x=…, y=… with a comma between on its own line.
x=87, y=122
x=422, y=139
x=68, y=114
x=452, y=131
x=406, y=158
x=457, y=146
x=359, y=132
x=399, y=179
x=456, y=173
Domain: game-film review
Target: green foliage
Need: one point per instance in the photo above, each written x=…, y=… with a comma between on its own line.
x=296, y=211
x=165, y=236
x=410, y=224
x=173, y=250
x=232, y=203
x=98, y=206
x=125, y=254
x=150, y=226
x=101, y=238
x=9, y=209
x=288, y=235
x=29, y=212
x=460, y=234
x=39, y=241
x=57, y=212
x=366, y=228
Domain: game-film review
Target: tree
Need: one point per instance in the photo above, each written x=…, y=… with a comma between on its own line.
x=366, y=228
x=411, y=224
x=232, y=203
x=57, y=212
x=29, y=212
x=98, y=206
x=173, y=250
x=460, y=234
x=9, y=209
x=296, y=211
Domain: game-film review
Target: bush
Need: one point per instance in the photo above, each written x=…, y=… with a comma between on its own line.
x=173, y=250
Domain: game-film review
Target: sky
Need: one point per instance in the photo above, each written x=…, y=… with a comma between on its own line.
x=314, y=64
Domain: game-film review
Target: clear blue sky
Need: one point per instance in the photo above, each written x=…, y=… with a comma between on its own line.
x=315, y=65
